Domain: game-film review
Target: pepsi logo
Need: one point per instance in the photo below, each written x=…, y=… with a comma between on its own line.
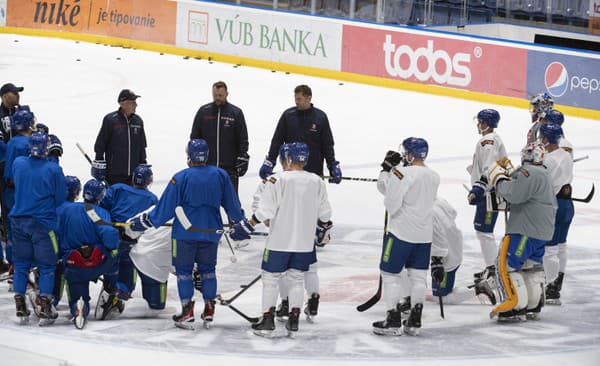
x=556, y=79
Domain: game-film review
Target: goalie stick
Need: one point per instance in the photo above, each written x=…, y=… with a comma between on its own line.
x=375, y=298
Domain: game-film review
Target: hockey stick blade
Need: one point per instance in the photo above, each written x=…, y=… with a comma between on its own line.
x=227, y=302
x=586, y=199
x=250, y=319
x=373, y=300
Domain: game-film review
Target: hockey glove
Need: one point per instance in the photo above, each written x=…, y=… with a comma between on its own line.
x=322, y=235
x=477, y=192
x=335, y=172
x=241, y=164
x=500, y=171
x=267, y=168
x=392, y=158
x=141, y=223
x=99, y=169
x=241, y=230
x=437, y=269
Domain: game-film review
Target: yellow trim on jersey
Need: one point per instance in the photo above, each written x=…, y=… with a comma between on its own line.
x=505, y=282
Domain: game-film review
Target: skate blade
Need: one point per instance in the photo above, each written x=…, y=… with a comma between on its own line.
x=310, y=319
x=44, y=322
x=23, y=320
x=102, y=299
x=533, y=316
x=282, y=319
x=553, y=302
x=511, y=319
x=411, y=331
x=207, y=324
x=185, y=325
x=292, y=334
x=387, y=331
x=264, y=333
x=79, y=319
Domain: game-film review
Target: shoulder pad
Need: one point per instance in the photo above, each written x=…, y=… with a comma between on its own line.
x=487, y=142
x=397, y=173
x=524, y=172
x=173, y=181
x=272, y=179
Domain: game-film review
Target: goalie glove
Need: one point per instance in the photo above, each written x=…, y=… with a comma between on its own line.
x=241, y=230
x=322, y=234
x=477, y=192
x=99, y=169
x=500, y=171
x=437, y=269
x=392, y=158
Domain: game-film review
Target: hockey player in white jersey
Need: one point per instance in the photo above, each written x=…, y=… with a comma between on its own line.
x=530, y=224
x=560, y=166
x=409, y=192
x=489, y=148
x=539, y=105
x=311, y=277
x=293, y=202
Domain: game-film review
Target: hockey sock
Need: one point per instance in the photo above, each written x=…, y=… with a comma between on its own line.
x=270, y=291
x=562, y=257
x=391, y=289
x=488, y=247
x=296, y=291
x=311, y=280
x=418, y=281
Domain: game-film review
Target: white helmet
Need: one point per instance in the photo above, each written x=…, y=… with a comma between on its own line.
x=533, y=153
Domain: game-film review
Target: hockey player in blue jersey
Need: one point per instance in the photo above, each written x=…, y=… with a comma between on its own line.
x=40, y=189
x=201, y=190
x=124, y=201
x=88, y=249
x=55, y=149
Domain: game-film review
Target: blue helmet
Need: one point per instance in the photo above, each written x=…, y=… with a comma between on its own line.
x=54, y=144
x=197, y=151
x=415, y=145
x=142, y=175
x=554, y=116
x=490, y=116
x=73, y=187
x=22, y=120
x=38, y=145
x=94, y=191
x=552, y=131
x=40, y=127
x=297, y=152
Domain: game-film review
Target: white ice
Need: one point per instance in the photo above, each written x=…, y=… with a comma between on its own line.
x=70, y=86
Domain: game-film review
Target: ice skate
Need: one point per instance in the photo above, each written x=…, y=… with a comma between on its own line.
x=80, y=318
x=48, y=313
x=553, y=290
x=34, y=300
x=489, y=273
x=109, y=307
x=266, y=325
x=404, y=306
x=413, y=323
x=208, y=313
x=312, y=308
x=534, y=314
x=22, y=312
x=186, y=319
x=4, y=267
x=483, y=288
x=512, y=316
x=282, y=312
x=292, y=322
x=392, y=325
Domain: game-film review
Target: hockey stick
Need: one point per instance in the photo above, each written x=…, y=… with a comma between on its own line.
x=83, y=152
x=373, y=300
x=233, y=258
x=227, y=302
x=187, y=225
x=586, y=199
x=441, y=306
x=96, y=219
x=250, y=319
x=352, y=178
x=581, y=158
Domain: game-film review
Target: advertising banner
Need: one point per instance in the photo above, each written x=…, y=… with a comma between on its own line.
x=142, y=20
x=257, y=34
x=430, y=59
x=570, y=80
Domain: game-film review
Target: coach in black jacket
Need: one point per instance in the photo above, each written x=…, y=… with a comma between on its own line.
x=121, y=141
x=222, y=125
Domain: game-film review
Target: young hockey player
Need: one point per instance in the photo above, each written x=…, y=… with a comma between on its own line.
x=489, y=148
x=409, y=193
x=294, y=199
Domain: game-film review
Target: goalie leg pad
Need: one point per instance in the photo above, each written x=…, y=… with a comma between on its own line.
x=534, y=281
x=506, y=288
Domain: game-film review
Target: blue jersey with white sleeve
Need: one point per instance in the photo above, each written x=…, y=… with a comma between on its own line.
x=123, y=201
x=77, y=229
x=201, y=191
x=39, y=189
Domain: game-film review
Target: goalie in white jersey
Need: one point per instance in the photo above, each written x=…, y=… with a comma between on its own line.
x=488, y=150
x=409, y=193
x=293, y=202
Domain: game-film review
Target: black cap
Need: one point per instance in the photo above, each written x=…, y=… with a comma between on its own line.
x=10, y=87
x=127, y=94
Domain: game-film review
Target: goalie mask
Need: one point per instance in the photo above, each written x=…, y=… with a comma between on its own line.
x=539, y=104
x=533, y=153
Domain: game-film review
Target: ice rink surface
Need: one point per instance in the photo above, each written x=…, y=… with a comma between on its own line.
x=70, y=86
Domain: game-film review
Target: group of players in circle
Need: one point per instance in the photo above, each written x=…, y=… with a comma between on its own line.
x=124, y=230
